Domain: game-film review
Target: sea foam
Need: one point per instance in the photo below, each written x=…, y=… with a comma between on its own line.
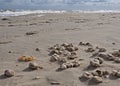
x=96, y=11
x=19, y=13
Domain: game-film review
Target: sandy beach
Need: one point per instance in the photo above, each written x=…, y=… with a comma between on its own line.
x=21, y=35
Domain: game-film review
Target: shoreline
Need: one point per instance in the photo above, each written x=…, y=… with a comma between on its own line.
x=9, y=13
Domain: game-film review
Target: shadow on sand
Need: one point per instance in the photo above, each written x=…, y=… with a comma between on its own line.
x=3, y=77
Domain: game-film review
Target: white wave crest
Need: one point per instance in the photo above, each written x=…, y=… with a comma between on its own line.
x=97, y=11
x=19, y=13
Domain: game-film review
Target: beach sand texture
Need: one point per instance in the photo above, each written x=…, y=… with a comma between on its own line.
x=21, y=36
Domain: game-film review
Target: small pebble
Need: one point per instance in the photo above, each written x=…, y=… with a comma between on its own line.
x=36, y=78
x=117, y=60
x=113, y=43
x=97, y=79
x=54, y=57
x=9, y=73
x=95, y=63
x=114, y=72
x=63, y=67
x=31, y=33
x=37, y=49
x=116, y=53
x=33, y=66
x=10, y=52
x=102, y=50
x=90, y=50
x=87, y=75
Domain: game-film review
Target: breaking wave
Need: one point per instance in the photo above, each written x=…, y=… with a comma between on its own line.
x=26, y=12
x=19, y=13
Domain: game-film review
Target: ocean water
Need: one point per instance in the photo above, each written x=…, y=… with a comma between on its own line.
x=23, y=7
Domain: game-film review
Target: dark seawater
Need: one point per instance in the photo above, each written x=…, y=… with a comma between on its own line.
x=68, y=5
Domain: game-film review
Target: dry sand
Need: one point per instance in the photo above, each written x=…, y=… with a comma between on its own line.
x=100, y=29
